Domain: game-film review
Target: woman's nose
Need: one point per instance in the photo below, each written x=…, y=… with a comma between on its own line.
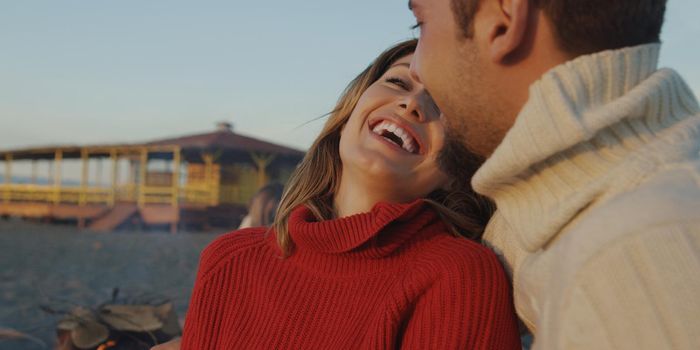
x=412, y=107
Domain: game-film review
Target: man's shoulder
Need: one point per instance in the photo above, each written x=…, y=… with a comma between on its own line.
x=630, y=257
x=666, y=202
x=667, y=196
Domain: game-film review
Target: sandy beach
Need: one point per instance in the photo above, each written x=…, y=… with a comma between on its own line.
x=60, y=266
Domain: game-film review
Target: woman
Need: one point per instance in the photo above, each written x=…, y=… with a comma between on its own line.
x=263, y=205
x=368, y=248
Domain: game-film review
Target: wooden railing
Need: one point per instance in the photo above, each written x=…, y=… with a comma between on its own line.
x=198, y=194
x=195, y=194
x=207, y=186
x=54, y=194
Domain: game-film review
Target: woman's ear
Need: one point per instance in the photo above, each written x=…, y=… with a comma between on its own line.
x=507, y=27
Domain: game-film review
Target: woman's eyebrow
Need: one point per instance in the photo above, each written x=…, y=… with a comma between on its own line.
x=408, y=65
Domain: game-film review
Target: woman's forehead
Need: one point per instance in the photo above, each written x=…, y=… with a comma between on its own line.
x=404, y=60
x=402, y=63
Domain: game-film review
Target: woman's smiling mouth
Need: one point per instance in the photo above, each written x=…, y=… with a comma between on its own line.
x=397, y=135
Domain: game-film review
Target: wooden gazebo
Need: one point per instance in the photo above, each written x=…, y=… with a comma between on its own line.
x=204, y=179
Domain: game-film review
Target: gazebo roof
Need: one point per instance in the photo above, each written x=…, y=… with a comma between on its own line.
x=223, y=139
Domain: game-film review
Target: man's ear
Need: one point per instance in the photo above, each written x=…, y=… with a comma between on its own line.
x=507, y=32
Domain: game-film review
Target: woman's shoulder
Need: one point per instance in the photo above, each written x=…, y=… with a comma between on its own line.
x=230, y=245
x=450, y=256
x=456, y=269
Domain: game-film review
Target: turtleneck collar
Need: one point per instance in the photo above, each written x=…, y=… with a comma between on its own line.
x=583, y=132
x=363, y=242
x=344, y=234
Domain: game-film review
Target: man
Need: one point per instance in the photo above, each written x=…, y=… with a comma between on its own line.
x=592, y=160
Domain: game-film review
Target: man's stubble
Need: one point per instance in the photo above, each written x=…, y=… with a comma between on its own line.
x=469, y=107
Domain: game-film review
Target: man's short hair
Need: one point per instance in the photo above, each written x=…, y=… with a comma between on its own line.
x=587, y=26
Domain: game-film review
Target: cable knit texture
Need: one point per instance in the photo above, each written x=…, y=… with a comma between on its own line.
x=598, y=192
x=390, y=278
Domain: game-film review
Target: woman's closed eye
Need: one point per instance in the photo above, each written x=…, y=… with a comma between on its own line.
x=399, y=82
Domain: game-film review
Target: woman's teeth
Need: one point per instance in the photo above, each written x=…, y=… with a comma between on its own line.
x=397, y=135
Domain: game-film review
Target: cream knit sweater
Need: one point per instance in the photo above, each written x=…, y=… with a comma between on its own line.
x=598, y=192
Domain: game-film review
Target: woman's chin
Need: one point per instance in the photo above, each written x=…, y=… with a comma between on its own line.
x=382, y=171
x=378, y=163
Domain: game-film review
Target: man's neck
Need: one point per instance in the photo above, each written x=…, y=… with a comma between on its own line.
x=524, y=67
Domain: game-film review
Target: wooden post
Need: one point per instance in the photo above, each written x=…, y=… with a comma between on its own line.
x=98, y=173
x=262, y=174
x=176, y=176
x=261, y=162
x=131, y=181
x=82, y=196
x=51, y=171
x=58, y=157
x=34, y=171
x=175, y=179
x=8, y=168
x=8, y=177
x=208, y=178
x=142, y=177
x=84, y=161
x=115, y=174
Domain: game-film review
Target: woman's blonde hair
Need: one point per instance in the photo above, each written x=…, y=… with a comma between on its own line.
x=316, y=178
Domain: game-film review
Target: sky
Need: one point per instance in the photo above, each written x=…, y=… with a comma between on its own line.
x=89, y=72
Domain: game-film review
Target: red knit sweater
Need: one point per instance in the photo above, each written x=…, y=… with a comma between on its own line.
x=390, y=278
